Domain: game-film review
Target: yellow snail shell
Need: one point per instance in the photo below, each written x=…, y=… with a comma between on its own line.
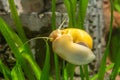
x=65, y=41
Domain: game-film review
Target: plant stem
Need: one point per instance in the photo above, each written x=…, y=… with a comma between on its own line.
x=81, y=73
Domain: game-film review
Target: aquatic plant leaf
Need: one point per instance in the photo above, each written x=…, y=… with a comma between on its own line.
x=17, y=73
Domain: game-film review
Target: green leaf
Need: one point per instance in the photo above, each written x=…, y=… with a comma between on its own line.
x=5, y=71
x=67, y=5
x=33, y=65
x=71, y=10
x=86, y=71
x=8, y=35
x=117, y=5
x=82, y=13
x=17, y=73
x=81, y=72
x=53, y=28
x=70, y=70
x=19, y=26
x=6, y=31
x=107, y=68
x=17, y=21
x=102, y=68
x=115, y=52
x=46, y=68
x=53, y=14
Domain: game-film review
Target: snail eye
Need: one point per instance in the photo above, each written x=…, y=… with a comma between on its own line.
x=82, y=43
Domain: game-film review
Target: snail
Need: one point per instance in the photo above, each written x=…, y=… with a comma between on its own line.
x=73, y=45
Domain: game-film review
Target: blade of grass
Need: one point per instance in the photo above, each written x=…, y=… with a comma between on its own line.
x=18, y=24
x=116, y=51
x=5, y=71
x=117, y=5
x=46, y=68
x=56, y=66
x=70, y=70
x=81, y=13
x=67, y=5
x=45, y=72
x=71, y=10
x=28, y=58
x=33, y=65
x=17, y=73
x=115, y=70
x=5, y=30
x=77, y=23
x=80, y=24
x=86, y=72
x=108, y=68
x=65, y=76
x=53, y=28
x=81, y=73
x=17, y=20
x=101, y=71
x=53, y=14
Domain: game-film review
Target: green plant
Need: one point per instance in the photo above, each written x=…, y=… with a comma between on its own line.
x=22, y=51
x=76, y=20
x=26, y=66
x=53, y=28
x=19, y=50
x=117, y=5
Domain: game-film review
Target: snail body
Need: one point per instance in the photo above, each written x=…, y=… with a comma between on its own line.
x=65, y=41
